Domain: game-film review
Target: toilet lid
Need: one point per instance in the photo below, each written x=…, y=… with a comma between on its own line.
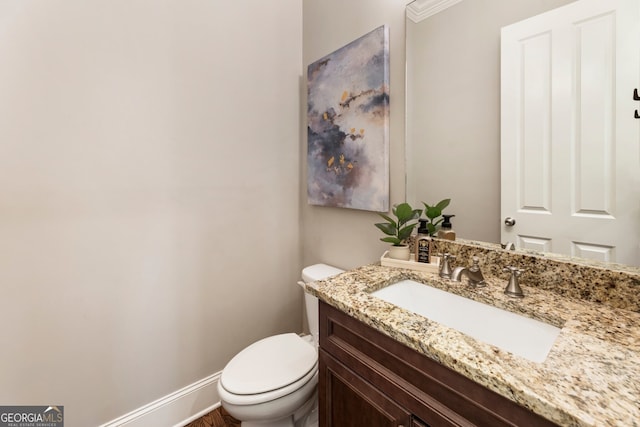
x=269, y=364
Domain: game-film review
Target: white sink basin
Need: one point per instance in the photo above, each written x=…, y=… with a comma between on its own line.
x=520, y=335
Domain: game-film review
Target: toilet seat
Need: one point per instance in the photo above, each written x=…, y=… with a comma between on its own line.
x=269, y=369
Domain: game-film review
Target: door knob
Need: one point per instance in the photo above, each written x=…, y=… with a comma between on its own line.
x=509, y=222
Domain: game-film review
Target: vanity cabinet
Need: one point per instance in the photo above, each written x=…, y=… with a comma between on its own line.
x=368, y=379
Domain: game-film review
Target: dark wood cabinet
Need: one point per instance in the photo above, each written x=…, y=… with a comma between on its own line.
x=351, y=398
x=370, y=380
x=417, y=423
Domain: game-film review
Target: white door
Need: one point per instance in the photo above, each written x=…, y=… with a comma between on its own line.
x=570, y=143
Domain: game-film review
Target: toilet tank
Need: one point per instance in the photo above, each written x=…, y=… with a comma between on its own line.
x=311, y=274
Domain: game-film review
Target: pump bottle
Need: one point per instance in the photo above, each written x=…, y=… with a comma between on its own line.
x=423, y=243
x=446, y=229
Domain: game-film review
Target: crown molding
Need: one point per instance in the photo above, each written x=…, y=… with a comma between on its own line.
x=419, y=10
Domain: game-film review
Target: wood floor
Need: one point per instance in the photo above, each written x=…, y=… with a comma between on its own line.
x=216, y=418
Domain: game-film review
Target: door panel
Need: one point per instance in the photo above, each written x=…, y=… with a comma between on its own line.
x=534, y=170
x=592, y=251
x=593, y=192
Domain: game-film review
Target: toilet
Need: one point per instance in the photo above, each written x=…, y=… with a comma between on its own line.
x=273, y=382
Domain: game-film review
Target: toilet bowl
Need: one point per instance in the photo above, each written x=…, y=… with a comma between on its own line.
x=273, y=382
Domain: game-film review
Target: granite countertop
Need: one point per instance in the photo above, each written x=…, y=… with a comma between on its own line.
x=591, y=376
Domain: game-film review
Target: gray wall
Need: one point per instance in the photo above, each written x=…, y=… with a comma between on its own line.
x=149, y=169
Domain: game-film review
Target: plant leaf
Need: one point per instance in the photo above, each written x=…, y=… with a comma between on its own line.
x=443, y=204
x=392, y=240
x=405, y=232
x=388, y=218
x=386, y=228
x=433, y=212
x=401, y=228
x=404, y=212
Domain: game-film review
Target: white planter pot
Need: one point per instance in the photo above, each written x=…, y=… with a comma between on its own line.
x=400, y=252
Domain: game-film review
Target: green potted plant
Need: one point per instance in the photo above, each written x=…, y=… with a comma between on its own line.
x=399, y=229
x=434, y=215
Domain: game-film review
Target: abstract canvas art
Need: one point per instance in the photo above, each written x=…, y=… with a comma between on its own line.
x=348, y=125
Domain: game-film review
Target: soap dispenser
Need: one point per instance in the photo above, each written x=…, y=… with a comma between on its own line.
x=423, y=243
x=446, y=229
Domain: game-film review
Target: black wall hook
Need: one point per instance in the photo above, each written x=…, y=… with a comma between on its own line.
x=637, y=116
x=635, y=95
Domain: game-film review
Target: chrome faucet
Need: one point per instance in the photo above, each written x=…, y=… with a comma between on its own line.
x=473, y=273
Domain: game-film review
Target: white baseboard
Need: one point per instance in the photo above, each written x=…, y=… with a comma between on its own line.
x=175, y=409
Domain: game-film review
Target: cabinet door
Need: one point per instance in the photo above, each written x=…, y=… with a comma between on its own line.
x=345, y=399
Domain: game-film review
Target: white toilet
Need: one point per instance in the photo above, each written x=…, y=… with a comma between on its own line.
x=273, y=382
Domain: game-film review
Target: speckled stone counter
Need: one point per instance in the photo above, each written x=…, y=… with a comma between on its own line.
x=591, y=376
x=615, y=285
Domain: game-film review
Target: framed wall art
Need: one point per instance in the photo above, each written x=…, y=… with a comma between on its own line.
x=348, y=125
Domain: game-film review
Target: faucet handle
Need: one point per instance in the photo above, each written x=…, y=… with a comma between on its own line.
x=446, y=255
x=445, y=268
x=475, y=267
x=513, y=288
